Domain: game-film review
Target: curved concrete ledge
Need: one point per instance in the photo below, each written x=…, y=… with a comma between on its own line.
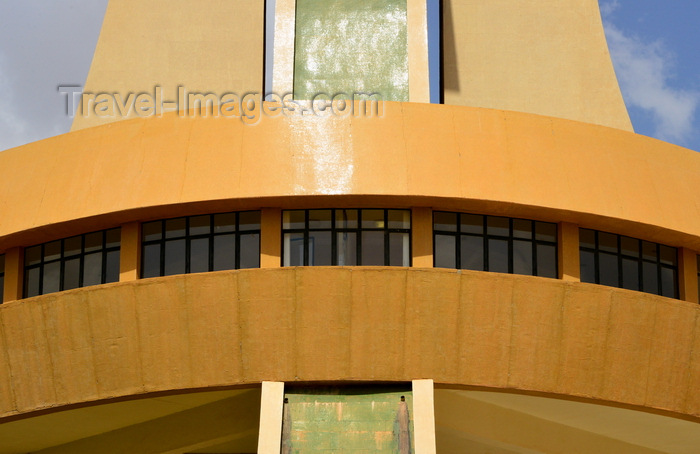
x=232, y=328
x=448, y=156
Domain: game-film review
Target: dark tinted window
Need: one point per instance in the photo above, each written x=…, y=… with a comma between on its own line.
x=625, y=262
x=494, y=243
x=196, y=244
x=346, y=237
x=74, y=262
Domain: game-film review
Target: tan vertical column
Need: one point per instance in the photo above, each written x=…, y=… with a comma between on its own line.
x=688, y=275
x=283, y=51
x=422, y=237
x=569, y=256
x=270, y=238
x=271, y=404
x=423, y=417
x=14, y=272
x=418, y=67
x=130, y=252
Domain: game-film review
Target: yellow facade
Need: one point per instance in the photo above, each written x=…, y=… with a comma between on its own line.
x=197, y=363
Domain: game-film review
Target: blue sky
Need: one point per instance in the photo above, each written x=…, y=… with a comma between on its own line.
x=656, y=53
x=654, y=45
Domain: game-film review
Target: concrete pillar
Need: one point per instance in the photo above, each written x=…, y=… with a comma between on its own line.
x=422, y=237
x=271, y=405
x=423, y=417
x=130, y=252
x=569, y=256
x=283, y=52
x=688, y=275
x=14, y=275
x=270, y=238
x=418, y=67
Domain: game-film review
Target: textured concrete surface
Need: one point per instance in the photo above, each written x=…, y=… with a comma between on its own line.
x=359, y=324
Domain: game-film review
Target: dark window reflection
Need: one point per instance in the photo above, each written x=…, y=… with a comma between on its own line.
x=370, y=237
x=174, y=257
x=445, y=251
x=494, y=243
x=372, y=248
x=629, y=263
x=250, y=251
x=498, y=255
x=608, y=270
x=72, y=262
x=472, y=253
x=224, y=252
x=201, y=243
x=92, y=271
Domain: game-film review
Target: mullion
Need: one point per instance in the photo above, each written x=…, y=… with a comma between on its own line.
x=81, y=260
x=61, y=267
x=534, y=243
x=510, y=246
x=485, y=240
x=660, y=289
x=334, y=240
x=187, y=239
x=620, y=283
x=387, y=250
x=41, y=271
x=596, y=258
x=103, y=246
x=358, y=252
x=210, y=249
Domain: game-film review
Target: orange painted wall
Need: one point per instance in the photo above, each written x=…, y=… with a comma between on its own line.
x=382, y=324
x=450, y=157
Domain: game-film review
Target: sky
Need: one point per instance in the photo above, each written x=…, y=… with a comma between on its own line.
x=655, y=46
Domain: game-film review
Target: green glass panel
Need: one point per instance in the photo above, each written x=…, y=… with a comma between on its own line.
x=346, y=46
x=347, y=419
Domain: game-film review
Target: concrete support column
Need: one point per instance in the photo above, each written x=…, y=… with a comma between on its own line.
x=688, y=275
x=130, y=252
x=422, y=237
x=423, y=417
x=569, y=256
x=270, y=238
x=14, y=272
x=283, y=52
x=418, y=67
x=271, y=406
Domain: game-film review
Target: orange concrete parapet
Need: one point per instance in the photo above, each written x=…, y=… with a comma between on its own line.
x=466, y=328
x=448, y=157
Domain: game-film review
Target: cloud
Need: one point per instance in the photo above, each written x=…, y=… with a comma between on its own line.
x=13, y=129
x=42, y=45
x=645, y=71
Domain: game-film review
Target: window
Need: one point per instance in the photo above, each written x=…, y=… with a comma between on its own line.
x=493, y=243
x=346, y=237
x=73, y=262
x=624, y=262
x=2, y=276
x=194, y=244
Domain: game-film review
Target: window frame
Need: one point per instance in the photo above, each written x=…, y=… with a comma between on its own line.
x=188, y=238
x=485, y=236
x=639, y=259
x=104, y=249
x=334, y=231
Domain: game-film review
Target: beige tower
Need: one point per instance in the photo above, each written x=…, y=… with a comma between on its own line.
x=348, y=267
